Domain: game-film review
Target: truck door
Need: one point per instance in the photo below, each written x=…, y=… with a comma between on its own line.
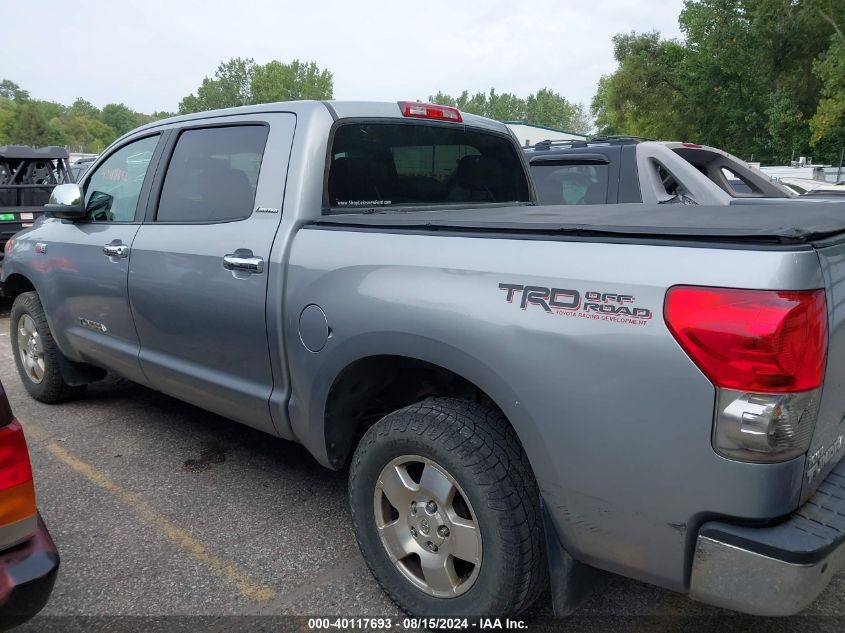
x=88, y=261
x=199, y=269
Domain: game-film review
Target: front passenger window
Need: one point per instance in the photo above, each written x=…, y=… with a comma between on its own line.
x=112, y=192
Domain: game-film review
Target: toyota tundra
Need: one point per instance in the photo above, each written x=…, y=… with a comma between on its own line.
x=519, y=392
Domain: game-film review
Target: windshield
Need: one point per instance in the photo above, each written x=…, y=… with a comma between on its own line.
x=384, y=165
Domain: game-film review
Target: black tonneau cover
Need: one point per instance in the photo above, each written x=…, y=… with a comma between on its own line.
x=787, y=223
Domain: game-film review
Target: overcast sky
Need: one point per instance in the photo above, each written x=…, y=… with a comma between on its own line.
x=150, y=54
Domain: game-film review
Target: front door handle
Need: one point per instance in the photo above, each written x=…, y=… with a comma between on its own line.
x=244, y=261
x=116, y=249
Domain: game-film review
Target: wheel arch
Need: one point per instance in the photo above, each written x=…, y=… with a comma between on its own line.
x=74, y=373
x=371, y=375
x=17, y=284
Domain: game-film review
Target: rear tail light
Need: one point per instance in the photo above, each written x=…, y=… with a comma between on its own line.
x=430, y=111
x=17, y=493
x=15, y=468
x=765, y=351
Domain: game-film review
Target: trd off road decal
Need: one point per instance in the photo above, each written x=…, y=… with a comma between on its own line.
x=601, y=306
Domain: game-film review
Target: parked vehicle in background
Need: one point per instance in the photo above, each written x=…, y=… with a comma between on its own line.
x=79, y=167
x=619, y=170
x=519, y=393
x=29, y=560
x=808, y=186
x=27, y=176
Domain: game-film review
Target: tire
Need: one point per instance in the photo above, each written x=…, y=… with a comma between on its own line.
x=477, y=452
x=43, y=380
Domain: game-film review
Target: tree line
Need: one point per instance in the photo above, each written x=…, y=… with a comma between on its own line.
x=240, y=82
x=762, y=79
x=82, y=127
x=545, y=107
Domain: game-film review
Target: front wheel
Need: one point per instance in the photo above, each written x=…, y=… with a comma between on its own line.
x=37, y=356
x=446, y=511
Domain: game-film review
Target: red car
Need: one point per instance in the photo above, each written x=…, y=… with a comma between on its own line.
x=29, y=559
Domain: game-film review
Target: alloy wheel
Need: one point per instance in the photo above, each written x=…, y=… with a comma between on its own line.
x=30, y=349
x=427, y=526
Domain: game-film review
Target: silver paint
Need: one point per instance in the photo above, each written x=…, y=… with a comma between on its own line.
x=615, y=418
x=735, y=578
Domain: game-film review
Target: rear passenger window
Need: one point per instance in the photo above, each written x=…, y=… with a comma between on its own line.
x=570, y=184
x=213, y=175
x=375, y=165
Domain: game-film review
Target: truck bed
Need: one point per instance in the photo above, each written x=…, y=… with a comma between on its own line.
x=795, y=223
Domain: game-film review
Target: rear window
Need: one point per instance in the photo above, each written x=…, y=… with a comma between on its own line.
x=571, y=183
x=377, y=165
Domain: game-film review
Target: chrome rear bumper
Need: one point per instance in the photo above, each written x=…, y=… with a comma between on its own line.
x=774, y=570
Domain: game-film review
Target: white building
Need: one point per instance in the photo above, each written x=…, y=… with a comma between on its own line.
x=530, y=134
x=815, y=172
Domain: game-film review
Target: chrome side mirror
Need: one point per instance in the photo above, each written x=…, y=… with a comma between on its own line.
x=65, y=202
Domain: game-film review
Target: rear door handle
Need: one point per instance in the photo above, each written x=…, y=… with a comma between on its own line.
x=244, y=261
x=116, y=249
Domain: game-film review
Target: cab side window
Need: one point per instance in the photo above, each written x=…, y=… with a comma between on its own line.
x=112, y=192
x=573, y=183
x=213, y=175
x=673, y=186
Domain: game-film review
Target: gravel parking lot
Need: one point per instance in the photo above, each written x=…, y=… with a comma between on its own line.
x=161, y=509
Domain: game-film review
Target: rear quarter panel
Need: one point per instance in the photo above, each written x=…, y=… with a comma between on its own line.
x=614, y=417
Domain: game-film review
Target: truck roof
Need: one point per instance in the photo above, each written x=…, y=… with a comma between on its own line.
x=338, y=110
x=785, y=223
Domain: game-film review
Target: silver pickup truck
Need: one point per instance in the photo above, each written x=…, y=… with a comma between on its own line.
x=520, y=393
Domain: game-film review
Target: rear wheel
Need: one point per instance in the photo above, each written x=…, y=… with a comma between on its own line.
x=427, y=526
x=446, y=511
x=36, y=355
